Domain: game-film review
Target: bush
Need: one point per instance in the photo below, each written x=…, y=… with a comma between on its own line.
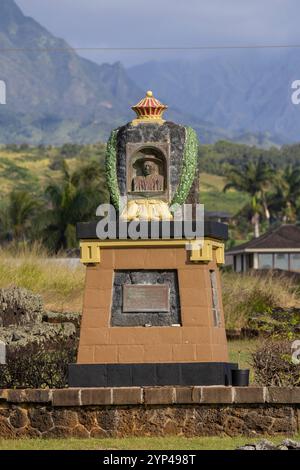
x=273, y=366
x=36, y=367
x=19, y=307
x=283, y=323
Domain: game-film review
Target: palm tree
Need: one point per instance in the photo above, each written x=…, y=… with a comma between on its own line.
x=87, y=174
x=73, y=199
x=253, y=178
x=20, y=212
x=284, y=200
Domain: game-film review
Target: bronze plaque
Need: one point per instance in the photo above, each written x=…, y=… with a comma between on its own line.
x=146, y=298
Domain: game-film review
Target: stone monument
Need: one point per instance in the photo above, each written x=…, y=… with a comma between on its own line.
x=152, y=310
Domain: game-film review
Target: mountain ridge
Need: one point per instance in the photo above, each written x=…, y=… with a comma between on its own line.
x=55, y=96
x=242, y=92
x=56, y=88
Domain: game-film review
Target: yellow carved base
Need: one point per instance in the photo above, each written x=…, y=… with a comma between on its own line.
x=146, y=209
x=199, y=250
x=90, y=252
x=147, y=120
x=204, y=251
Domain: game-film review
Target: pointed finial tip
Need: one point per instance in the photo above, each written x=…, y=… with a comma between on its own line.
x=149, y=93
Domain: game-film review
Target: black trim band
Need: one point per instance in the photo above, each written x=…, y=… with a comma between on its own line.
x=128, y=375
x=218, y=230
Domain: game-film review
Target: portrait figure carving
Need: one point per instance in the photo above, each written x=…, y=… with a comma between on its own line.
x=149, y=178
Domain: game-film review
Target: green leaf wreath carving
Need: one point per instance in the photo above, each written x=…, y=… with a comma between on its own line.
x=111, y=169
x=189, y=166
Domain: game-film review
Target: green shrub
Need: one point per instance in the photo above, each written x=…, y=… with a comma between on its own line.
x=36, y=366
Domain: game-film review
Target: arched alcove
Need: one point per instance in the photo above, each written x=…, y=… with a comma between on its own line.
x=147, y=172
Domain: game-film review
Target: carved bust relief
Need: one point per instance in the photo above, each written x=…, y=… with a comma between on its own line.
x=147, y=171
x=149, y=178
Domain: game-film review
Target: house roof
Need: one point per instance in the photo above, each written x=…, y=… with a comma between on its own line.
x=220, y=214
x=285, y=237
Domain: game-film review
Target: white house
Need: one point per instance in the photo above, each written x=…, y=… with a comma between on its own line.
x=279, y=248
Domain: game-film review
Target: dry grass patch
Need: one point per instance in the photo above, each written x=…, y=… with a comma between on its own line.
x=247, y=294
x=57, y=279
x=60, y=281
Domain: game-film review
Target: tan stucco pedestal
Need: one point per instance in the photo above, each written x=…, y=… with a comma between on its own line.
x=199, y=339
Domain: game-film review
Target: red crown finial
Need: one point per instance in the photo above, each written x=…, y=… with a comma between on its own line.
x=149, y=109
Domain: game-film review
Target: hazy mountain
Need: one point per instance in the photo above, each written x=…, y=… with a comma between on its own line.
x=55, y=96
x=244, y=92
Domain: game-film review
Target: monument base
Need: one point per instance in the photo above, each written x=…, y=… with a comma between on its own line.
x=160, y=374
x=152, y=312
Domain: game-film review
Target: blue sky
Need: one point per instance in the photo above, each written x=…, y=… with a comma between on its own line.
x=152, y=23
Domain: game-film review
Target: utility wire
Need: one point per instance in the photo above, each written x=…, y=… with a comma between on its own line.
x=128, y=49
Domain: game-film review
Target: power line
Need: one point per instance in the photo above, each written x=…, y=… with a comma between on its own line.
x=129, y=49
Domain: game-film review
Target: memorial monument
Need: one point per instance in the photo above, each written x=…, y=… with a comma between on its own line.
x=152, y=310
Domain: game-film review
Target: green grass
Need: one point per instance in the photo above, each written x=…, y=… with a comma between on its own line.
x=30, y=168
x=19, y=169
x=240, y=352
x=227, y=202
x=212, y=196
x=209, y=182
x=136, y=443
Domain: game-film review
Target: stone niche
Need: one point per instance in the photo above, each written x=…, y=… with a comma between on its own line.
x=166, y=282
x=148, y=170
x=168, y=142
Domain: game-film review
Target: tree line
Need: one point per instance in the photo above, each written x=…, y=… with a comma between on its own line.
x=217, y=158
x=52, y=216
x=270, y=177
x=274, y=195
